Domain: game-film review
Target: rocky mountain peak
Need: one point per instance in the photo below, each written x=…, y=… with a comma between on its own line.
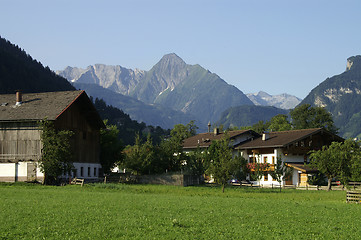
x=353, y=62
x=170, y=64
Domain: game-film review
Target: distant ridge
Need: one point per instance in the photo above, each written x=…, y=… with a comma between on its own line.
x=284, y=100
x=19, y=71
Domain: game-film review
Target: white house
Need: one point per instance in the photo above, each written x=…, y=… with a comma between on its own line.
x=292, y=147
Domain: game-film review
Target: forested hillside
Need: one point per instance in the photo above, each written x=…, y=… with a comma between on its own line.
x=341, y=95
x=19, y=71
x=128, y=128
x=242, y=116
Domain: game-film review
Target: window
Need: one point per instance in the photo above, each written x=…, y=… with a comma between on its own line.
x=273, y=159
x=88, y=171
x=95, y=172
x=84, y=135
x=266, y=176
x=264, y=159
x=81, y=172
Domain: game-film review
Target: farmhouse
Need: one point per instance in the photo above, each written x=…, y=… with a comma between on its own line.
x=20, y=141
x=290, y=146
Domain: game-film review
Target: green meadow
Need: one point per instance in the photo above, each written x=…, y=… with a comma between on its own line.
x=116, y=211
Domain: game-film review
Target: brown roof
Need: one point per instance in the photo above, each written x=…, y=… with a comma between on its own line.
x=204, y=140
x=302, y=167
x=284, y=138
x=38, y=106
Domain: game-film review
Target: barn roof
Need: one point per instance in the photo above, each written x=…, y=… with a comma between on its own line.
x=45, y=105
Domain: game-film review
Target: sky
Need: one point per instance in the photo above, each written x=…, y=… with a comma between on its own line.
x=275, y=46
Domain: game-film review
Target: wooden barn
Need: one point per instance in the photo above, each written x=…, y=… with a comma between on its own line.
x=20, y=141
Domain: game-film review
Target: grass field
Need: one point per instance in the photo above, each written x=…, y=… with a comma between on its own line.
x=166, y=212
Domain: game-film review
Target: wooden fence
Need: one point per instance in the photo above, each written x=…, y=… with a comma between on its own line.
x=353, y=197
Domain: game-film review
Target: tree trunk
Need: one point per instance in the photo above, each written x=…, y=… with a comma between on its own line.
x=280, y=186
x=223, y=185
x=329, y=184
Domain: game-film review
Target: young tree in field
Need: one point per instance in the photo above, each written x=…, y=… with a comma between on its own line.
x=110, y=147
x=171, y=148
x=337, y=160
x=56, y=158
x=194, y=162
x=140, y=157
x=257, y=170
x=305, y=116
x=221, y=163
x=281, y=171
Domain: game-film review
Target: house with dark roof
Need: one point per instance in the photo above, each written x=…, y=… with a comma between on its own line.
x=204, y=140
x=20, y=141
x=292, y=147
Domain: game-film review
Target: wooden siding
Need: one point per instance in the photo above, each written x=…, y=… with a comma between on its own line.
x=86, y=139
x=19, y=141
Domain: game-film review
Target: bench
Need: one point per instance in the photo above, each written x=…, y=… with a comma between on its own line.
x=77, y=181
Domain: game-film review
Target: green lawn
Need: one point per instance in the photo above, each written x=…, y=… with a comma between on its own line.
x=167, y=212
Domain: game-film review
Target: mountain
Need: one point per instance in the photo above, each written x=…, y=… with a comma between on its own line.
x=115, y=78
x=151, y=114
x=171, y=83
x=284, y=101
x=19, y=71
x=341, y=95
x=242, y=116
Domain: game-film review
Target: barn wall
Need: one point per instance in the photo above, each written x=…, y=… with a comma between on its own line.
x=19, y=141
x=86, y=139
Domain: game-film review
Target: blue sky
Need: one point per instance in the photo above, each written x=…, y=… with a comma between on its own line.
x=276, y=46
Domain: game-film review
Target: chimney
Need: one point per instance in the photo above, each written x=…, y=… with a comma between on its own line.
x=265, y=136
x=19, y=97
x=216, y=131
x=209, y=126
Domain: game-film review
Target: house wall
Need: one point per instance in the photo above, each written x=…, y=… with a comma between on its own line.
x=277, y=152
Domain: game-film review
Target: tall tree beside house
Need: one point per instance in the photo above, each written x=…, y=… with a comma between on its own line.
x=110, y=147
x=57, y=157
x=194, y=163
x=221, y=164
x=281, y=171
x=172, y=150
x=339, y=160
x=305, y=116
x=279, y=123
